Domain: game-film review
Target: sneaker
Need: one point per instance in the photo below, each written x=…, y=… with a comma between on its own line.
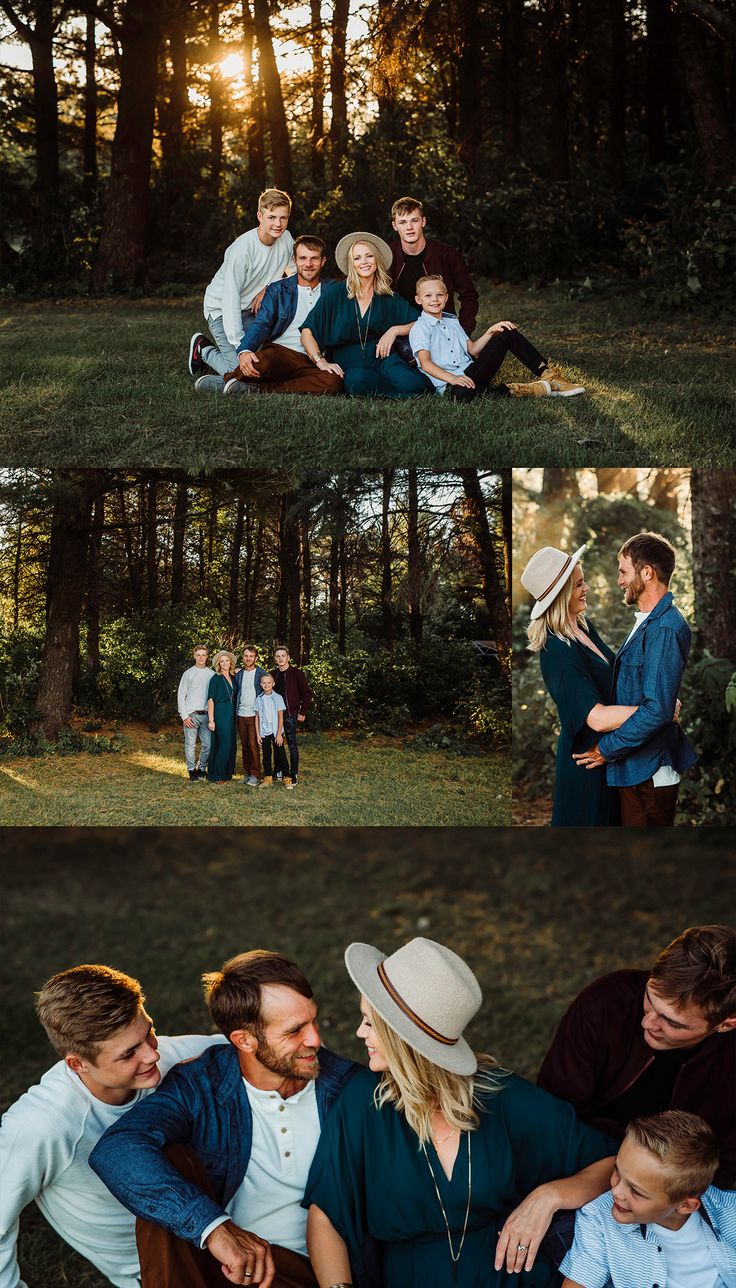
x=193, y=775
x=266, y=782
x=534, y=389
x=291, y=783
x=198, y=342
x=235, y=386
x=279, y=777
x=209, y=384
x=560, y=386
x=251, y=781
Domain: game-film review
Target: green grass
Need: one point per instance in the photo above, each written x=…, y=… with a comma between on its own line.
x=371, y=782
x=538, y=915
x=104, y=382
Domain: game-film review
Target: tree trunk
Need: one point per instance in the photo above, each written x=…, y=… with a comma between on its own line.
x=282, y=599
x=494, y=592
x=470, y=120
x=216, y=100
x=121, y=255
x=130, y=554
x=89, y=145
x=235, y=550
x=511, y=50
x=555, y=65
x=255, y=581
x=707, y=105
x=713, y=495
x=387, y=607
x=255, y=127
x=279, y=134
x=177, y=550
x=307, y=590
x=45, y=105
x=317, y=122
x=151, y=544
x=658, y=72
x=617, y=95
x=342, y=606
x=333, y=597
x=93, y=587
x=339, y=122
x=414, y=556
x=172, y=111
x=17, y=565
x=508, y=531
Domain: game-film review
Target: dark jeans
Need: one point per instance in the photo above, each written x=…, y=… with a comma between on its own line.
x=290, y=728
x=271, y=748
x=483, y=368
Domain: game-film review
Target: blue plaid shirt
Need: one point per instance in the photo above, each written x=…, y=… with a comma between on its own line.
x=605, y=1253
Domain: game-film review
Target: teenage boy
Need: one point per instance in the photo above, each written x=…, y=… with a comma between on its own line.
x=111, y=1060
x=270, y=708
x=293, y=686
x=247, y=689
x=465, y=368
x=637, y=1042
x=192, y=704
x=663, y=1221
x=234, y=295
x=271, y=355
x=415, y=256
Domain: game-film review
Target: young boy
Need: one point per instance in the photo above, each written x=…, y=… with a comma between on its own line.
x=233, y=297
x=96, y=1020
x=663, y=1223
x=270, y=708
x=466, y=367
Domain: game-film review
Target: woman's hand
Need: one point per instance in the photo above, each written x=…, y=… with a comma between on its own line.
x=323, y=365
x=464, y=381
x=524, y=1229
x=501, y=326
x=211, y=725
x=678, y=709
x=383, y=348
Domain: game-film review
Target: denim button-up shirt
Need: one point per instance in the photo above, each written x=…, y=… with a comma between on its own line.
x=277, y=312
x=647, y=674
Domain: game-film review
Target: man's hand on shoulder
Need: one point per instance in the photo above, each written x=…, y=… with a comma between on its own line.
x=589, y=759
x=244, y=1257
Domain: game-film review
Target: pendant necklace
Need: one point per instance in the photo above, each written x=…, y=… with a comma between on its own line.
x=361, y=340
x=454, y=1256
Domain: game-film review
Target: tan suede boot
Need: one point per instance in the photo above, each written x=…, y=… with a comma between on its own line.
x=267, y=781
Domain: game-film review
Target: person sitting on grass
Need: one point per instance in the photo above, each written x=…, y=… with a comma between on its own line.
x=663, y=1222
x=234, y=295
x=270, y=708
x=465, y=368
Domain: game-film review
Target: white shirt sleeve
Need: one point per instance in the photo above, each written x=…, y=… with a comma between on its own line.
x=233, y=279
x=32, y=1156
x=181, y=697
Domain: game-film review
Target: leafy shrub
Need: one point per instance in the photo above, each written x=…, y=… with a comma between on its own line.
x=20, y=659
x=708, y=794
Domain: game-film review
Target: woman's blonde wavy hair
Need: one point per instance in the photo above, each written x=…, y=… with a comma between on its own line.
x=416, y=1087
x=217, y=659
x=555, y=619
x=381, y=282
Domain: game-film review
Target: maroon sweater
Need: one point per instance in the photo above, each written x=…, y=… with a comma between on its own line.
x=294, y=688
x=440, y=258
x=599, y=1051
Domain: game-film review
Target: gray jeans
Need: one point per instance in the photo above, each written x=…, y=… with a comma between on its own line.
x=201, y=730
x=224, y=357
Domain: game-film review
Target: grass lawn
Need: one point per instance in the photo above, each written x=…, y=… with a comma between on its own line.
x=537, y=915
x=374, y=782
x=104, y=382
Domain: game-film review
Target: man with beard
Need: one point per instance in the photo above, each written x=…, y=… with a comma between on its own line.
x=648, y=753
x=217, y=1175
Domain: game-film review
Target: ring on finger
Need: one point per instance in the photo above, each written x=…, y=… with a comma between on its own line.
x=522, y=1247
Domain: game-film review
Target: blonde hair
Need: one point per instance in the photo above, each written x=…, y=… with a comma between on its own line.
x=272, y=198
x=417, y=1087
x=218, y=658
x=555, y=619
x=684, y=1144
x=82, y=1007
x=431, y=277
x=381, y=282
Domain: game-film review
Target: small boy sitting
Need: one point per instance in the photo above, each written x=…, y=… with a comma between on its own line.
x=270, y=708
x=663, y=1225
x=466, y=367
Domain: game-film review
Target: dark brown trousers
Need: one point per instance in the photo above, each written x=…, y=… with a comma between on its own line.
x=284, y=371
x=648, y=806
x=169, y=1262
x=249, y=743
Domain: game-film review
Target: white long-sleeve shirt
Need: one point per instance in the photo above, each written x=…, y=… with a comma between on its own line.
x=193, y=686
x=248, y=266
x=46, y=1139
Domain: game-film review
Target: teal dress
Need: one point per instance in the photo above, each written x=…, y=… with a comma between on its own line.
x=351, y=342
x=373, y=1181
x=221, y=760
x=576, y=680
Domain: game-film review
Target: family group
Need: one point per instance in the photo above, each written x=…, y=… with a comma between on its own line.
x=277, y=325
x=618, y=711
x=219, y=703
x=263, y=1157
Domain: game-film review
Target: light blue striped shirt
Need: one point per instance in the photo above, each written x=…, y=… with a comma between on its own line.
x=446, y=341
x=605, y=1253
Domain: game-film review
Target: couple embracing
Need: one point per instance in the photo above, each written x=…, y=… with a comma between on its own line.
x=618, y=711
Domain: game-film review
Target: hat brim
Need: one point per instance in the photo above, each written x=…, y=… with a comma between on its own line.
x=345, y=245
x=542, y=605
x=362, y=962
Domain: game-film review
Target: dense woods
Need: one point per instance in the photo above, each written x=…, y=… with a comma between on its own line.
x=547, y=139
x=107, y=579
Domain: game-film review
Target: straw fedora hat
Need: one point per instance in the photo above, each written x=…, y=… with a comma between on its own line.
x=547, y=572
x=425, y=993
x=345, y=245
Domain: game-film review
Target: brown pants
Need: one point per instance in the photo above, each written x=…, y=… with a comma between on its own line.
x=648, y=806
x=249, y=743
x=169, y=1262
x=284, y=371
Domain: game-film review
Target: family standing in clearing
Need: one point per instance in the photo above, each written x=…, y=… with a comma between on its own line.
x=388, y=330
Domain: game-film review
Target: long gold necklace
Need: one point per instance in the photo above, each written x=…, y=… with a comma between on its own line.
x=363, y=341
x=454, y=1256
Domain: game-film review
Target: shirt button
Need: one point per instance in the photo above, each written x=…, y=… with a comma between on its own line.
x=281, y=1108
x=287, y=1154
x=284, y=1130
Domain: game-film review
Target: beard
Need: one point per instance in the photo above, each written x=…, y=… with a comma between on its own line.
x=286, y=1066
x=633, y=590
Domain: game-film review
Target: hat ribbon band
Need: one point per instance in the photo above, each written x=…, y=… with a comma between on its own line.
x=404, y=1006
x=561, y=573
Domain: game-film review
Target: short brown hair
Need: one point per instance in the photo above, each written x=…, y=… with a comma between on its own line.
x=279, y=647
x=233, y=994
x=653, y=549
x=699, y=969
x=272, y=198
x=405, y=206
x=430, y=277
x=197, y=647
x=250, y=648
x=311, y=243
x=686, y=1147
x=82, y=1007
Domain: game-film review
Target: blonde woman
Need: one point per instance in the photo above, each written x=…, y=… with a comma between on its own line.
x=577, y=669
x=221, y=718
x=451, y=1168
x=357, y=322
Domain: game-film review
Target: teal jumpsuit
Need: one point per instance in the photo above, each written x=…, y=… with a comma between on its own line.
x=335, y=327
x=221, y=761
